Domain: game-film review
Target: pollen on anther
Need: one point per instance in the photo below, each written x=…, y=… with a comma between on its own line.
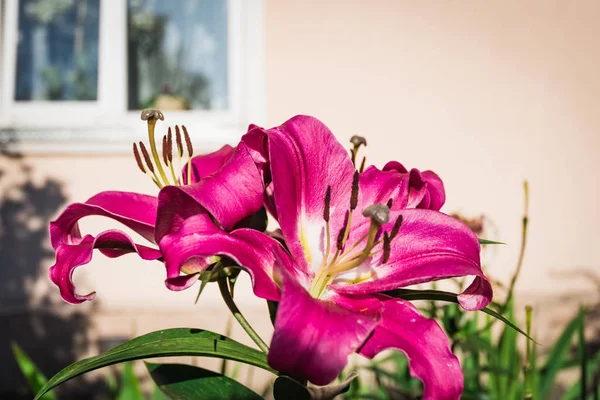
x=178, y=141
x=327, y=204
x=386, y=248
x=188, y=141
x=165, y=148
x=340, y=239
x=138, y=158
x=396, y=227
x=354, y=196
x=170, y=145
x=146, y=157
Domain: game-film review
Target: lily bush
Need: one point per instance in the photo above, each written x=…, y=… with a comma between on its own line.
x=351, y=238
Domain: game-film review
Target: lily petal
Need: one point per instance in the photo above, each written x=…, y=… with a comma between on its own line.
x=313, y=338
x=112, y=243
x=426, y=189
x=429, y=246
x=424, y=343
x=233, y=192
x=198, y=238
x=134, y=210
x=207, y=164
x=377, y=187
x=305, y=159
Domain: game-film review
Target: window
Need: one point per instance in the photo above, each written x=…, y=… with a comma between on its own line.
x=75, y=73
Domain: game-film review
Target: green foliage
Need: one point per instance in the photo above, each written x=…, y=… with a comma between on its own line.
x=185, y=382
x=130, y=385
x=35, y=378
x=164, y=343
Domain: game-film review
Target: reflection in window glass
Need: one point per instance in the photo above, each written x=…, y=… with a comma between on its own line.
x=57, y=54
x=177, y=54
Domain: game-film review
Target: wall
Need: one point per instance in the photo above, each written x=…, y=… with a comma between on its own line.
x=487, y=94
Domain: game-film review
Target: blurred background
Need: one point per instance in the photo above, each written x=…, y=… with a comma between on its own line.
x=486, y=94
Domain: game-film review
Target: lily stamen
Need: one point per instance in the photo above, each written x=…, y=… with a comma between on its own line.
x=150, y=165
x=379, y=214
x=326, y=210
x=396, y=227
x=353, y=204
x=190, y=149
x=356, y=141
x=170, y=155
x=152, y=116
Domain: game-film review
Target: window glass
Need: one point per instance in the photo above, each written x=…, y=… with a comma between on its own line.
x=177, y=54
x=57, y=54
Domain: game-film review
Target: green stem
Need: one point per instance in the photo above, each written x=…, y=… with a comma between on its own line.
x=240, y=318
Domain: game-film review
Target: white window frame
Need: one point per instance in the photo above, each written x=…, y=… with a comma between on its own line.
x=106, y=125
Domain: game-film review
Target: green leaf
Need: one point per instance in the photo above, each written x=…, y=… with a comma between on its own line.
x=130, y=385
x=581, y=347
x=508, y=360
x=557, y=355
x=485, y=241
x=164, y=343
x=411, y=295
x=35, y=378
x=592, y=368
x=185, y=382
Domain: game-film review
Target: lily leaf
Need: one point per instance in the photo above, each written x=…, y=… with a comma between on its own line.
x=35, y=378
x=185, y=382
x=164, y=343
x=557, y=355
x=485, y=241
x=412, y=294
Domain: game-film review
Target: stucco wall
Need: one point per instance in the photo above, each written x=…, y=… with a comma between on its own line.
x=486, y=94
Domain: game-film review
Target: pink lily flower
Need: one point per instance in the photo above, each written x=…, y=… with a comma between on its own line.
x=207, y=184
x=348, y=237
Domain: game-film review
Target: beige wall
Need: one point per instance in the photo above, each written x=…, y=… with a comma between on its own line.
x=486, y=93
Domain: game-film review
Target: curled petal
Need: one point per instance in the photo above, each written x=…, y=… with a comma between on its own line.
x=233, y=192
x=134, y=210
x=429, y=246
x=426, y=189
x=424, y=343
x=111, y=243
x=313, y=338
x=435, y=190
x=198, y=238
x=207, y=164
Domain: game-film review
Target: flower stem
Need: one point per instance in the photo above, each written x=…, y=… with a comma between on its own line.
x=240, y=318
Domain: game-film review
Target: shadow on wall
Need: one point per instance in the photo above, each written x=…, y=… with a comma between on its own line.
x=46, y=329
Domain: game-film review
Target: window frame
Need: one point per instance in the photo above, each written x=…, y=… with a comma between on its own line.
x=107, y=124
